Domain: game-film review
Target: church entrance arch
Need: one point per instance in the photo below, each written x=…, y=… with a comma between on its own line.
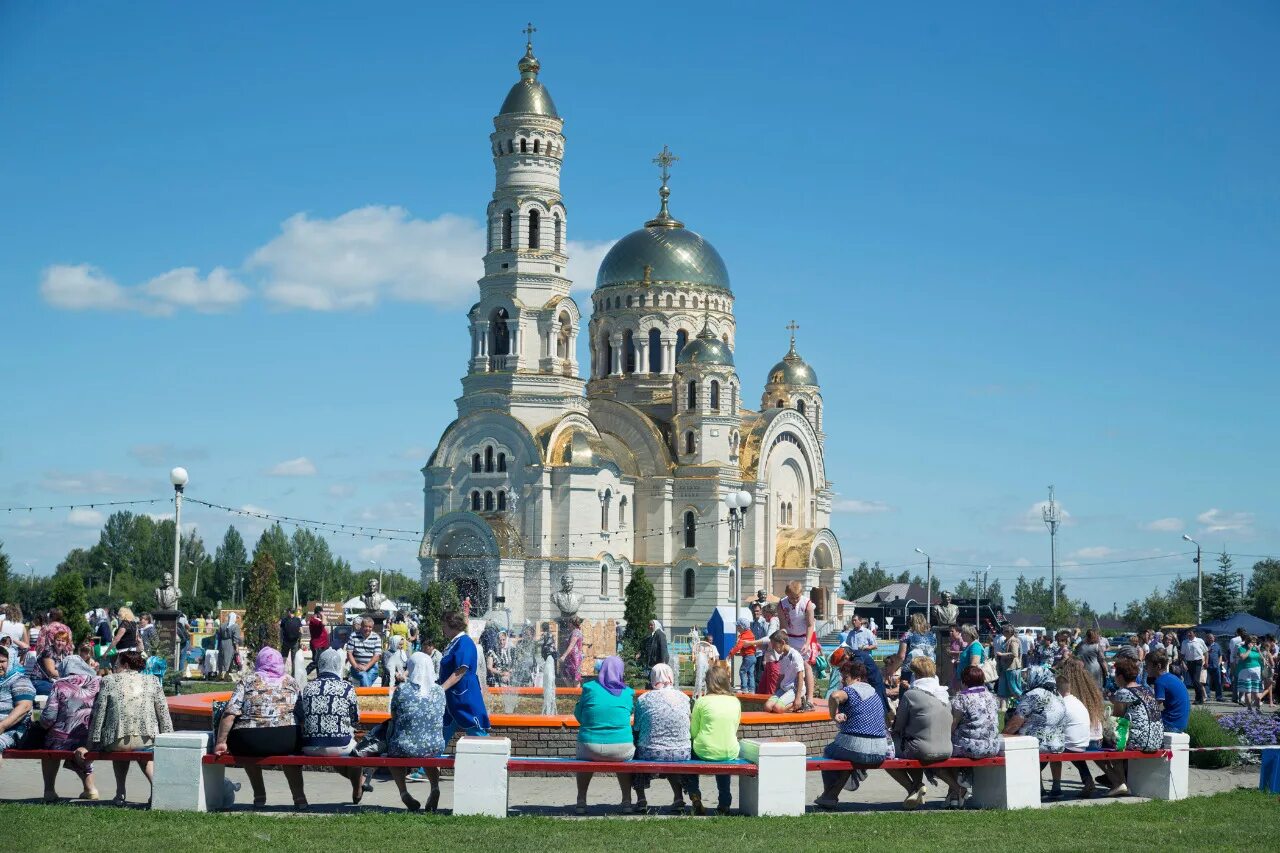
x=468, y=558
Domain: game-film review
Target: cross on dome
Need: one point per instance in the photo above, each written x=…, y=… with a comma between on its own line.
x=528, y=31
x=664, y=218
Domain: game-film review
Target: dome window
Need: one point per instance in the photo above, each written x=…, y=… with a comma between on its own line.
x=715, y=396
x=511, y=147
x=682, y=337
x=506, y=229
x=800, y=406
x=535, y=225
x=655, y=350
x=488, y=501
x=559, y=228
x=524, y=146
x=536, y=146
x=475, y=463
x=692, y=396
x=629, y=350
x=502, y=462
x=690, y=442
x=488, y=460
x=779, y=404
x=502, y=501
x=475, y=501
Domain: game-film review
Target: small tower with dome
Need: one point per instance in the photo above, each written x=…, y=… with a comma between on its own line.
x=793, y=384
x=705, y=419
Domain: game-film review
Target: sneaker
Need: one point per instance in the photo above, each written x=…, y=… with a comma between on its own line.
x=915, y=800
x=416, y=776
x=1121, y=790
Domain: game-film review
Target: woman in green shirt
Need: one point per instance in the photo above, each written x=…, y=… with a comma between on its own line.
x=603, y=713
x=714, y=731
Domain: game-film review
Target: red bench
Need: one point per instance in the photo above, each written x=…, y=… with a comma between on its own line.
x=655, y=768
x=374, y=762
x=67, y=755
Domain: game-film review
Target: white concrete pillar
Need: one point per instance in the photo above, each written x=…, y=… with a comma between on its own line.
x=668, y=356
x=642, y=356
x=778, y=788
x=1162, y=779
x=182, y=781
x=1016, y=785
x=616, y=346
x=480, y=776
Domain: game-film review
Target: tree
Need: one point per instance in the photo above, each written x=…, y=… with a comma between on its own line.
x=435, y=600
x=1263, y=597
x=229, y=563
x=67, y=593
x=1222, y=591
x=1174, y=607
x=640, y=611
x=4, y=573
x=261, y=607
x=864, y=580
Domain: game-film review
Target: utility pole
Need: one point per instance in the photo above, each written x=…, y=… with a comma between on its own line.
x=928, y=589
x=980, y=581
x=1052, y=518
x=1199, y=581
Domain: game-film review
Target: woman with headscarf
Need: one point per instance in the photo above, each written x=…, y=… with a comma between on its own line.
x=261, y=719
x=1040, y=712
x=653, y=650
x=66, y=718
x=417, y=726
x=229, y=639
x=603, y=713
x=396, y=659
x=662, y=732
x=327, y=714
x=128, y=713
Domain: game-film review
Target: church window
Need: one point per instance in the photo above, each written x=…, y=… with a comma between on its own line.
x=502, y=462
x=688, y=583
x=690, y=443
x=692, y=396
x=488, y=460
x=690, y=530
x=628, y=351
x=779, y=404
x=668, y=300
x=622, y=582
x=502, y=501
x=606, y=350
x=628, y=301
x=715, y=396
x=524, y=146
x=475, y=501
x=475, y=463
x=642, y=300
x=559, y=226
x=800, y=406
x=604, y=580
x=622, y=511
x=501, y=338
x=681, y=301
x=566, y=332
x=488, y=501
x=655, y=351
x=682, y=337
x=536, y=145
x=506, y=229
x=604, y=509
x=695, y=302
x=535, y=226
x=511, y=147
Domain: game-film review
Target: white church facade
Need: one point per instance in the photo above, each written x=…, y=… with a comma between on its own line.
x=556, y=469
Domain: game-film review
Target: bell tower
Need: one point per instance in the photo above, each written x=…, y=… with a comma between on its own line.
x=525, y=327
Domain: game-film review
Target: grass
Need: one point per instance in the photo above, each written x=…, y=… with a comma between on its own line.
x=1237, y=820
x=199, y=686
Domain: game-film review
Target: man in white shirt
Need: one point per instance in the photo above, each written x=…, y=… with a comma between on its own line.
x=859, y=636
x=1233, y=652
x=790, y=695
x=1194, y=652
x=1028, y=641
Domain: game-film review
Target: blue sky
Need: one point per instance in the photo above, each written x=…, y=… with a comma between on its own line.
x=1024, y=246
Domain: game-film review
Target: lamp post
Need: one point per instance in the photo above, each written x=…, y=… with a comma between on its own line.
x=178, y=476
x=31, y=573
x=1199, y=581
x=928, y=588
x=111, y=576
x=195, y=587
x=738, y=503
x=294, y=564
x=379, y=565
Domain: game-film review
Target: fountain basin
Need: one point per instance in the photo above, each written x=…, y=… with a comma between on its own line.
x=532, y=733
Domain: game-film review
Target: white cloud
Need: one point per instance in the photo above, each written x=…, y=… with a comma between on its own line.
x=1096, y=552
x=1032, y=521
x=82, y=517
x=300, y=467
x=1164, y=525
x=341, y=490
x=858, y=507
x=584, y=262
x=1219, y=521
x=82, y=287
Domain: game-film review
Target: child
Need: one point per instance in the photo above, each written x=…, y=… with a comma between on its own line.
x=892, y=678
x=791, y=692
x=745, y=651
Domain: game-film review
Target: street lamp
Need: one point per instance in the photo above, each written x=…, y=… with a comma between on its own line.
x=111, y=576
x=1199, y=581
x=928, y=588
x=295, y=581
x=738, y=502
x=195, y=587
x=379, y=565
x=178, y=476
x=31, y=573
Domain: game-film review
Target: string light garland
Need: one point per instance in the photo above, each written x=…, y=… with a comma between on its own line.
x=94, y=505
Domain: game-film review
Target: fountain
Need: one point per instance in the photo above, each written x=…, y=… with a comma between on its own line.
x=549, y=686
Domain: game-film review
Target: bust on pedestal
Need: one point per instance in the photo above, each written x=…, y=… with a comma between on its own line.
x=944, y=619
x=373, y=600
x=165, y=615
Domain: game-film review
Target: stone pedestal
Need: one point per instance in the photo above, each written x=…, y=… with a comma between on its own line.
x=942, y=655
x=167, y=630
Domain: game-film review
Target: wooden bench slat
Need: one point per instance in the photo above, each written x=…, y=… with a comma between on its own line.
x=326, y=761
x=573, y=765
x=67, y=755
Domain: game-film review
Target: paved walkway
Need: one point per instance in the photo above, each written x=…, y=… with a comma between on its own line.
x=328, y=793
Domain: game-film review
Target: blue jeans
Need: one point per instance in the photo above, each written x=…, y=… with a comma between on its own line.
x=836, y=752
x=747, y=675
x=368, y=678
x=723, y=791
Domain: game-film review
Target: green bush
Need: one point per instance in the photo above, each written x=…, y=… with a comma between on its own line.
x=1204, y=730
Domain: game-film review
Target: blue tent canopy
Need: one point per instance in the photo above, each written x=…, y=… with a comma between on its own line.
x=1252, y=624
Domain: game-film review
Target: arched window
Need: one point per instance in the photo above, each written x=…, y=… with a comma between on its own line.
x=691, y=395
x=524, y=146
x=604, y=509
x=628, y=301
x=682, y=338
x=800, y=406
x=488, y=501
x=628, y=350
x=475, y=463
x=622, y=582
x=622, y=512
x=688, y=583
x=558, y=225
x=681, y=301
x=506, y=229
x=488, y=460
x=502, y=501
x=655, y=351
x=535, y=227
x=668, y=300
x=475, y=501
x=690, y=443
x=502, y=461
x=536, y=146
x=779, y=404
x=511, y=147
x=501, y=337
x=690, y=530
x=606, y=351
x=604, y=580
x=715, y=396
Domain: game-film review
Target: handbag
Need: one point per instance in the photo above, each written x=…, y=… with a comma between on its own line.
x=989, y=671
x=1204, y=676
x=1122, y=733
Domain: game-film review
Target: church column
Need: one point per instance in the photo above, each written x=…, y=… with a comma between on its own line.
x=615, y=341
x=513, y=335
x=668, y=356
x=642, y=355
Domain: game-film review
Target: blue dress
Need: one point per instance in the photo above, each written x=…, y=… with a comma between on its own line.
x=417, y=721
x=464, y=701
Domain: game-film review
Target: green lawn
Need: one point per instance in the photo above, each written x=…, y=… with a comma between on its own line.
x=1239, y=820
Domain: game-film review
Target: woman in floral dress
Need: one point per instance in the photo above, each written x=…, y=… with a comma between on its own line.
x=1136, y=703
x=571, y=660
x=974, y=732
x=1040, y=712
x=417, y=726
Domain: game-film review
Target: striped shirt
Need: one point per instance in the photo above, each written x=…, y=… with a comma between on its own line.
x=364, y=649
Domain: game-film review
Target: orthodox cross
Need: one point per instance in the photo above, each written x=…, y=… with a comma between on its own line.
x=665, y=159
x=792, y=326
x=528, y=31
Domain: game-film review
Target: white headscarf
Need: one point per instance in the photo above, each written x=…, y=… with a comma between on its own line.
x=331, y=661
x=657, y=626
x=231, y=619
x=421, y=671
